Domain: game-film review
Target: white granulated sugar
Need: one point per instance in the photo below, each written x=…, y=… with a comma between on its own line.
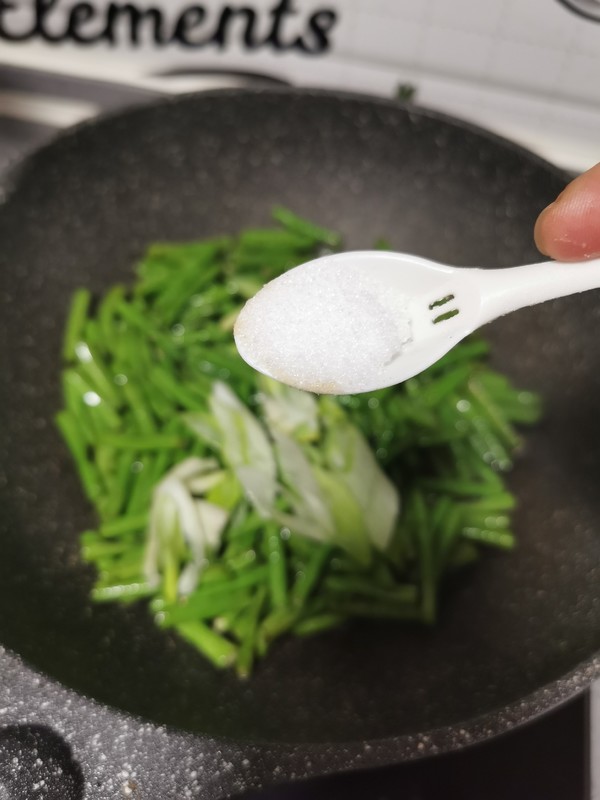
x=324, y=327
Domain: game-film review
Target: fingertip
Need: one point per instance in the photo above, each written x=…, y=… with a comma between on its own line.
x=556, y=234
x=541, y=231
x=569, y=228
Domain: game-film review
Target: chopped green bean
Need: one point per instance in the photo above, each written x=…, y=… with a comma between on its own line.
x=277, y=623
x=301, y=226
x=248, y=645
x=307, y=583
x=139, y=383
x=204, y=607
x=277, y=568
x=350, y=585
x=424, y=539
x=217, y=649
x=88, y=473
x=318, y=624
x=502, y=539
x=148, y=441
x=123, y=593
x=76, y=319
x=124, y=525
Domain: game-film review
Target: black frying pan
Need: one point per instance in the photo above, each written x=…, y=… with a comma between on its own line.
x=517, y=635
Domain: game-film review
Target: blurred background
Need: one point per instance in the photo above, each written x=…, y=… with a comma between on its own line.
x=527, y=69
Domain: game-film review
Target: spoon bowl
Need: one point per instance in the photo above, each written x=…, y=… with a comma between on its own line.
x=441, y=305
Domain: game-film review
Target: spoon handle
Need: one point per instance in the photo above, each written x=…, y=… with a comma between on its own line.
x=506, y=290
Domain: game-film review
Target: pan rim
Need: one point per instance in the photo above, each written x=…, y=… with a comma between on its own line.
x=373, y=752
x=10, y=181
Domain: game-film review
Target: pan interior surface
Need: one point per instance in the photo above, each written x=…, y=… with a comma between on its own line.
x=81, y=213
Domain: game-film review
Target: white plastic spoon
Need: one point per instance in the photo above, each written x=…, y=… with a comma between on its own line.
x=356, y=322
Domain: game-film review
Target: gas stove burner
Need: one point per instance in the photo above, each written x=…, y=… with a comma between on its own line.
x=586, y=8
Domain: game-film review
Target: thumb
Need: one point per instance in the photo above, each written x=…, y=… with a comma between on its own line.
x=569, y=228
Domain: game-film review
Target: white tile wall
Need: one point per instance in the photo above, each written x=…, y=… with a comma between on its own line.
x=412, y=10
x=587, y=40
x=536, y=45
x=520, y=65
x=580, y=78
x=530, y=45
x=488, y=60
x=548, y=23
x=465, y=15
x=405, y=37
x=459, y=52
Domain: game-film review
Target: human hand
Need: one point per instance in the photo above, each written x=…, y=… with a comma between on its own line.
x=569, y=228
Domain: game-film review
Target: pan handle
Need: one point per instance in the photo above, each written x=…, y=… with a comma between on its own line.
x=106, y=754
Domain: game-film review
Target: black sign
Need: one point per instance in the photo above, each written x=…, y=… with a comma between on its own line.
x=280, y=28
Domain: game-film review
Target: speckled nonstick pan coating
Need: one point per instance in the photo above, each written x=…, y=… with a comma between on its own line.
x=516, y=635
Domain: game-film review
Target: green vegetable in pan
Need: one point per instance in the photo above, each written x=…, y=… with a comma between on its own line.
x=243, y=510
